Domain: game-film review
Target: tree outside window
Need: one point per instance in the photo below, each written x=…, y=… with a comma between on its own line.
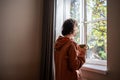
x=92, y=15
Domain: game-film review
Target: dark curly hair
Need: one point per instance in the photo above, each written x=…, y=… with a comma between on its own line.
x=68, y=26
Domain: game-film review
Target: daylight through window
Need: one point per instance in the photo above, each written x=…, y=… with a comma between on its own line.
x=92, y=22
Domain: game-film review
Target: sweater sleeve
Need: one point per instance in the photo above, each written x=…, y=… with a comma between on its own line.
x=76, y=58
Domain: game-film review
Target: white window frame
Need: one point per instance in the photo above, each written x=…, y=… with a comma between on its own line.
x=99, y=66
x=91, y=61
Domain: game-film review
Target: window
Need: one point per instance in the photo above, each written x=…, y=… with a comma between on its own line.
x=92, y=21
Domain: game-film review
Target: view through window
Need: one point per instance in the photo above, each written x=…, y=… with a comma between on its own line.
x=92, y=22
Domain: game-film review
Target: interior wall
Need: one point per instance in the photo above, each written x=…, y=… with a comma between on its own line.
x=113, y=47
x=20, y=39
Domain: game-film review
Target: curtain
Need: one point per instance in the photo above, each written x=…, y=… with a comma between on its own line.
x=47, y=65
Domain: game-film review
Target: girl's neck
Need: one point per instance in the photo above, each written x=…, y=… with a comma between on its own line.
x=70, y=36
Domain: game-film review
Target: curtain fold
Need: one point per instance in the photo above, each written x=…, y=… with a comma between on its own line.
x=46, y=65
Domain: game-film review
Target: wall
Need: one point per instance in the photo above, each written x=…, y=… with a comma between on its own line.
x=20, y=36
x=113, y=45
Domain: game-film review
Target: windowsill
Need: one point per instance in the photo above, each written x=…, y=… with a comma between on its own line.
x=101, y=69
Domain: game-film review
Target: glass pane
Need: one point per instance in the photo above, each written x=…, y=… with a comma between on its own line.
x=75, y=14
x=97, y=40
x=96, y=9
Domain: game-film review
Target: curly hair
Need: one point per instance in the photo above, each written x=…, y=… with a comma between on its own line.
x=68, y=26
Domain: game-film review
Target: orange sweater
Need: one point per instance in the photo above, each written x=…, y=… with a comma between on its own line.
x=69, y=58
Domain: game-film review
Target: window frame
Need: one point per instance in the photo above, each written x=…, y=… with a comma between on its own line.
x=85, y=22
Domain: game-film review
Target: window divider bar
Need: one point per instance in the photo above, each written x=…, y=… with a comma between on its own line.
x=93, y=21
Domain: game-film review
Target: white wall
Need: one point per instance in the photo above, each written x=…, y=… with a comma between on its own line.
x=20, y=36
x=113, y=45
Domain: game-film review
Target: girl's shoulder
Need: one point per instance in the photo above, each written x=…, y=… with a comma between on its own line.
x=73, y=43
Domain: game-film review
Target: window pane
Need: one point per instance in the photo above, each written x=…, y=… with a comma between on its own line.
x=96, y=9
x=77, y=14
x=97, y=40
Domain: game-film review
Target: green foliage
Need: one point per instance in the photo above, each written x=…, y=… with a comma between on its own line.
x=97, y=31
x=98, y=34
x=102, y=54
